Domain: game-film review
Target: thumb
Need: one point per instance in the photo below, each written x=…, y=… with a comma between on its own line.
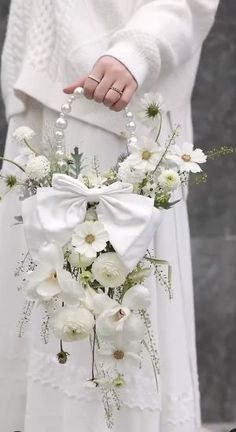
x=72, y=87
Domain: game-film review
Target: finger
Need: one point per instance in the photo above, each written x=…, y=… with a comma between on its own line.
x=90, y=85
x=72, y=87
x=125, y=98
x=112, y=96
x=103, y=88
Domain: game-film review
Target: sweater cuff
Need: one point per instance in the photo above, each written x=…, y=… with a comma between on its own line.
x=132, y=59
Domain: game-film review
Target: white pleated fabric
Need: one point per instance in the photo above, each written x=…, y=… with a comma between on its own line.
x=39, y=395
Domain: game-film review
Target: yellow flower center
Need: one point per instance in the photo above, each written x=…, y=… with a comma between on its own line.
x=52, y=276
x=90, y=238
x=186, y=158
x=118, y=354
x=146, y=155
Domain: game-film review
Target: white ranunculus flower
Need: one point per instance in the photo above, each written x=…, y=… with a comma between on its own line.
x=186, y=158
x=72, y=323
x=79, y=261
x=90, y=238
x=169, y=180
x=49, y=278
x=120, y=319
x=38, y=168
x=108, y=270
x=145, y=154
x=23, y=133
x=128, y=174
x=137, y=297
x=151, y=105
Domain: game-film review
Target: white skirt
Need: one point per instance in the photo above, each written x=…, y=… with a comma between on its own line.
x=39, y=395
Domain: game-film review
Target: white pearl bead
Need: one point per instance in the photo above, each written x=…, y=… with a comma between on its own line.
x=59, y=135
x=59, y=154
x=78, y=92
x=61, y=123
x=71, y=99
x=66, y=108
x=131, y=126
x=129, y=115
x=132, y=140
x=62, y=165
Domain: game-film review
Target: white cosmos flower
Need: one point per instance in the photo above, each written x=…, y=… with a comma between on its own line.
x=128, y=174
x=169, y=180
x=108, y=270
x=72, y=323
x=120, y=320
x=187, y=158
x=151, y=105
x=49, y=278
x=90, y=238
x=145, y=154
x=120, y=355
x=23, y=133
x=37, y=168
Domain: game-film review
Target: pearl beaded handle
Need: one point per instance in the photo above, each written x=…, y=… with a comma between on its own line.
x=62, y=123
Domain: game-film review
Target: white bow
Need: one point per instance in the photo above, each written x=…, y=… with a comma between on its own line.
x=130, y=219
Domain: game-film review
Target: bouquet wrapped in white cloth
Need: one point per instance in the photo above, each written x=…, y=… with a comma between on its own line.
x=88, y=235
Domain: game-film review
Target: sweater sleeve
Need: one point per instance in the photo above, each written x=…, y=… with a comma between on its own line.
x=161, y=35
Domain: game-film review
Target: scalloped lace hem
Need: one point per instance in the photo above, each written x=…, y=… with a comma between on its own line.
x=175, y=408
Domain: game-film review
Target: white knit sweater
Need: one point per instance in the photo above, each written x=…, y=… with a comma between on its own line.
x=51, y=43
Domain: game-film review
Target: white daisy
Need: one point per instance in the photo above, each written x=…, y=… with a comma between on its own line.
x=145, y=154
x=23, y=133
x=90, y=238
x=151, y=105
x=128, y=174
x=187, y=158
x=169, y=180
x=49, y=278
x=38, y=168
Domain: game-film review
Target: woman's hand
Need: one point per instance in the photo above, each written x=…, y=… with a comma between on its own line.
x=111, y=73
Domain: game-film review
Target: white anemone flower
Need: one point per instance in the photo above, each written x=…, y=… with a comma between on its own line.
x=145, y=154
x=38, y=168
x=120, y=320
x=151, y=106
x=90, y=238
x=187, y=158
x=120, y=355
x=72, y=323
x=137, y=297
x=79, y=261
x=169, y=180
x=49, y=278
x=109, y=271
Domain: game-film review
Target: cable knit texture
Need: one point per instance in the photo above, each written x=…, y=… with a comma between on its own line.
x=48, y=46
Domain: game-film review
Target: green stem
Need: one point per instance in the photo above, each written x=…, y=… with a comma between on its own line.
x=160, y=127
x=31, y=148
x=93, y=352
x=167, y=148
x=14, y=163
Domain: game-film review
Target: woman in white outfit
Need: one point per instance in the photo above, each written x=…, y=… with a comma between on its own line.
x=135, y=46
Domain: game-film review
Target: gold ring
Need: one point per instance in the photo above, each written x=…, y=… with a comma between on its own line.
x=94, y=78
x=117, y=90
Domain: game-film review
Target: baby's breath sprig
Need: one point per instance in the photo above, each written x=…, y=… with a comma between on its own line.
x=219, y=152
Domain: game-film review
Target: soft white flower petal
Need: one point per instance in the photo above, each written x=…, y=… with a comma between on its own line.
x=72, y=323
x=108, y=270
x=187, y=148
x=137, y=297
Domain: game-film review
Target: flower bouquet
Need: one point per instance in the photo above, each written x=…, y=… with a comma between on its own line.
x=88, y=235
